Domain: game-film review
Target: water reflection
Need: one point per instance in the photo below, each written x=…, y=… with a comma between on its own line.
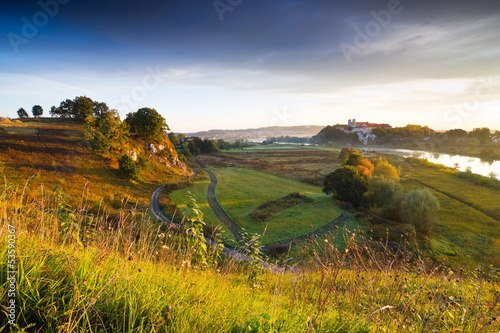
x=461, y=163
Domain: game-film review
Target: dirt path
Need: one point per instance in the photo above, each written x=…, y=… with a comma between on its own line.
x=217, y=209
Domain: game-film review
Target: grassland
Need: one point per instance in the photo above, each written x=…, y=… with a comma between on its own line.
x=198, y=187
x=139, y=277
x=242, y=190
x=466, y=233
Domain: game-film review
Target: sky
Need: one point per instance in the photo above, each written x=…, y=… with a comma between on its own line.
x=231, y=64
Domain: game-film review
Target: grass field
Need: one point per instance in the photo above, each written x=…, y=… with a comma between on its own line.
x=239, y=191
x=482, y=198
x=199, y=190
x=140, y=277
x=464, y=233
x=284, y=147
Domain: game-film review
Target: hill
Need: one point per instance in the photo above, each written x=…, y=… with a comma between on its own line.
x=259, y=133
x=54, y=152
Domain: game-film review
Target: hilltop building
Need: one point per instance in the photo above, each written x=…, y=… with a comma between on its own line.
x=362, y=127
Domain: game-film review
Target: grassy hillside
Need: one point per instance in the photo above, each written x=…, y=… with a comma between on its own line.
x=53, y=152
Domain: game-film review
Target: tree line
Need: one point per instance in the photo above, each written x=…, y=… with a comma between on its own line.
x=407, y=133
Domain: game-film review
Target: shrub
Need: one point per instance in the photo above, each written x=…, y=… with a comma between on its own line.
x=419, y=208
x=128, y=168
x=385, y=170
x=346, y=151
x=347, y=184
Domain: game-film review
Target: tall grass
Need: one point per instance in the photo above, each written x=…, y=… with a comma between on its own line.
x=79, y=272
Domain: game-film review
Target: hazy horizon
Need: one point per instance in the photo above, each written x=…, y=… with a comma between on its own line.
x=249, y=64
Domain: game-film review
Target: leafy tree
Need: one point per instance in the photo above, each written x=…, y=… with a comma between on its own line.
x=387, y=196
x=383, y=169
x=209, y=147
x=128, y=168
x=347, y=184
x=37, y=111
x=22, y=113
x=346, y=151
x=79, y=108
x=329, y=133
x=174, y=139
x=106, y=132
x=147, y=124
x=186, y=151
x=456, y=133
x=181, y=137
x=419, y=207
x=354, y=159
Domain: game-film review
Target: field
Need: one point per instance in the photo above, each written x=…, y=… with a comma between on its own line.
x=141, y=276
x=467, y=230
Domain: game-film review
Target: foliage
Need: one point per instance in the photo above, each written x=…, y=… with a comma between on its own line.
x=128, y=167
x=106, y=132
x=147, y=124
x=80, y=108
x=37, y=111
x=347, y=184
x=329, y=133
x=419, y=207
x=383, y=169
x=386, y=195
x=456, y=133
x=346, y=152
x=197, y=146
x=174, y=139
x=22, y=113
x=194, y=233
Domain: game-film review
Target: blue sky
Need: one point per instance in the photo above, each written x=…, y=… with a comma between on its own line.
x=230, y=64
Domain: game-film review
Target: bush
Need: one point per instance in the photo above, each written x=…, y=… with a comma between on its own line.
x=128, y=168
x=347, y=184
x=386, y=195
x=419, y=208
x=385, y=170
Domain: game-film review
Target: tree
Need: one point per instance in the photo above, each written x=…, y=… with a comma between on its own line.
x=419, y=207
x=386, y=195
x=128, y=168
x=22, y=113
x=383, y=169
x=37, y=111
x=181, y=137
x=147, y=124
x=174, y=139
x=346, y=151
x=79, y=108
x=347, y=184
x=106, y=132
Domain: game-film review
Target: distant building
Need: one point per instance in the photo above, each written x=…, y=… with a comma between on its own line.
x=362, y=127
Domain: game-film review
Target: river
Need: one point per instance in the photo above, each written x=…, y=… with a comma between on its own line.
x=476, y=165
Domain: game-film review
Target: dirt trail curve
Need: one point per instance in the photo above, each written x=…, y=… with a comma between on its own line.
x=217, y=209
x=156, y=210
